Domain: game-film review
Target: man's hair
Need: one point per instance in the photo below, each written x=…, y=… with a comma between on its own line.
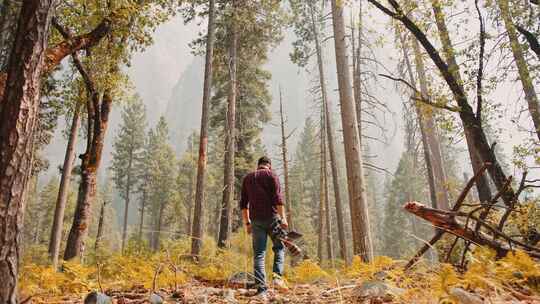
x=264, y=161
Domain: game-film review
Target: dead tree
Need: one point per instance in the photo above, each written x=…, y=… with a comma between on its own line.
x=353, y=155
x=285, y=160
x=330, y=137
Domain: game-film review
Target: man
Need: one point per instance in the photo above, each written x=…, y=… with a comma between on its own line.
x=261, y=203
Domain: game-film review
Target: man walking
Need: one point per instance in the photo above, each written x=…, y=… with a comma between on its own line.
x=261, y=203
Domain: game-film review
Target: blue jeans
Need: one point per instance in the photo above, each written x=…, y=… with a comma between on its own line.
x=260, y=232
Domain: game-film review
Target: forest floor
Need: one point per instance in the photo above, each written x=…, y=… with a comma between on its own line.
x=373, y=292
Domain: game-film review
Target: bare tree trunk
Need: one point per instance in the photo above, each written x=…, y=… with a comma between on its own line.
x=91, y=160
x=141, y=219
x=476, y=160
x=421, y=122
x=322, y=190
x=284, y=154
x=331, y=141
x=328, y=215
x=197, y=230
x=126, y=207
x=18, y=112
x=157, y=228
x=357, y=71
x=523, y=70
x=228, y=175
x=353, y=157
x=58, y=219
x=101, y=222
x=432, y=139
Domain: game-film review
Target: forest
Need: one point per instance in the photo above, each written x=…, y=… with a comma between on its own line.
x=405, y=135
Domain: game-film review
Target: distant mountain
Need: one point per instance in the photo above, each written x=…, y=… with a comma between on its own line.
x=183, y=111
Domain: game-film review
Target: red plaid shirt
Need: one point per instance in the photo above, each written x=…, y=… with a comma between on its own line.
x=261, y=194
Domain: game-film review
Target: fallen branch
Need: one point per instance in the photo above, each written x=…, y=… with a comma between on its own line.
x=459, y=202
x=447, y=222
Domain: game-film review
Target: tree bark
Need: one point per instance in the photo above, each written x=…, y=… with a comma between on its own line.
x=101, y=222
x=18, y=113
x=197, y=230
x=284, y=154
x=58, y=220
x=331, y=140
x=523, y=70
x=228, y=175
x=355, y=176
x=91, y=160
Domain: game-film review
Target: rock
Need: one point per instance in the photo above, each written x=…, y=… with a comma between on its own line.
x=201, y=299
x=380, y=275
x=97, y=298
x=155, y=299
x=377, y=289
x=242, y=278
x=228, y=296
x=465, y=297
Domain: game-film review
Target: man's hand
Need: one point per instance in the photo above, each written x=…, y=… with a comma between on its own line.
x=248, y=228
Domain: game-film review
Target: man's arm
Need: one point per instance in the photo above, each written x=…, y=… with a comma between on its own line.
x=278, y=200
x=244, y=204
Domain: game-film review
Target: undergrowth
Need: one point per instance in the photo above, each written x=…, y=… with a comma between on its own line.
x=172, y=266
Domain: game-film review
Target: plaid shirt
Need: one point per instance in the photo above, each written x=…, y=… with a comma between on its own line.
x=261, y=194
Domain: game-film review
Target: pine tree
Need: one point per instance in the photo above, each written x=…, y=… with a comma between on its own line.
x=162, y=171
x=128, y=147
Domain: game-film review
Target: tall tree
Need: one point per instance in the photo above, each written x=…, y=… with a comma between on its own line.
x=284, y=159
x=308, y=22
x=355, y=172
x=18, y=111
x=128, y=147
x=230, y=132
x=197, y=231
x=523, y=68
x=69, y=158
x=162, y=181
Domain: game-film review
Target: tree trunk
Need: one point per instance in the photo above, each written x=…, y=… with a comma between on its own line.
x=521, y=63
x=141, y=219
x=357, y=71
x=91, y=160
x=353, y=157
x=197, y=230
x=157, y=229
x=101, y=221
x=476, y=160
x=284, y=154
x=331, y=141
x=58, y=219
x=431, y=136
x=126, y=208
x=421, y=122
x=18, y=112
x=228, y=175
x=328, y=215
x=322, y=190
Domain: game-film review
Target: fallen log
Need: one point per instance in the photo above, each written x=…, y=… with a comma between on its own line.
x=446, y=221
x=459, y=202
